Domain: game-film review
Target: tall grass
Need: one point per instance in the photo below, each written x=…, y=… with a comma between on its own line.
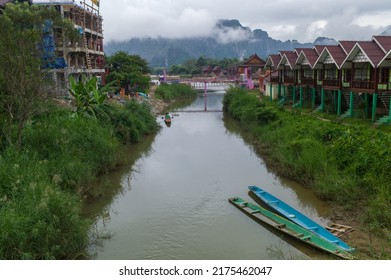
x=42, y=183
x=172, y=91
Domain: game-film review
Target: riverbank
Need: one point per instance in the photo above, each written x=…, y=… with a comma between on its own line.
x=43, y=182
x=347, y=166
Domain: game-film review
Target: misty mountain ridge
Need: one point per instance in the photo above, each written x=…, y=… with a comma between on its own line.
x=229, y=39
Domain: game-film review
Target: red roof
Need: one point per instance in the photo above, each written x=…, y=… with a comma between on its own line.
x=319, y=48
x=310, y=54
x=347, y=46
x=289, y=57
x=384, y=42
x=337, y=53
x=372, y=50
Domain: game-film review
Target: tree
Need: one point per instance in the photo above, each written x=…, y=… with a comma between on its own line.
x=24, y=81
x=129, y=70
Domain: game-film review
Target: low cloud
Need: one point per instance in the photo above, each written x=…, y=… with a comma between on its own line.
x=302, y=20
x=375, y=20
x=316, y=29
x=229, y=35
x=141, y=22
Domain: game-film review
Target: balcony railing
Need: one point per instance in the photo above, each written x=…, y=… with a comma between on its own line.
x=363, y=84
x=307, y=81
x=289, y=80
x=331, y=83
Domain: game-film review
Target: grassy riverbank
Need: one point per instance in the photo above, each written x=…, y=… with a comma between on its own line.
x=169, y=92
x=346, y=164
x=43, y=181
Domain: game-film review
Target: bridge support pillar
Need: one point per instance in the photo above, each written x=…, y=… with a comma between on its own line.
x=205, y=108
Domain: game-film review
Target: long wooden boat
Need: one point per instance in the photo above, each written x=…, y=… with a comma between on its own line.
x=285, y=226
x=167, y=118
x=295, y=216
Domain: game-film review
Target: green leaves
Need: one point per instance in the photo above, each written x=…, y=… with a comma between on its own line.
x=88, y=99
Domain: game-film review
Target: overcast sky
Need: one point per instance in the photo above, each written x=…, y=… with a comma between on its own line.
x=303, y=20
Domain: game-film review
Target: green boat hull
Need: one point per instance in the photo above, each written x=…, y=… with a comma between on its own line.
x=283, y=225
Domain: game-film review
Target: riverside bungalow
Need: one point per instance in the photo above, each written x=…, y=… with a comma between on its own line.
x=271, y=82
x=328, y=67
x=363, y=61
x=353, y=76
x=286, y=68
x=305, y=76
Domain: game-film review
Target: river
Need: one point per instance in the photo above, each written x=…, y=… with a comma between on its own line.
x=170, y=201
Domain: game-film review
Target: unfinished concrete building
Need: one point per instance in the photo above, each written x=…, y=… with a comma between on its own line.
x=83, y=57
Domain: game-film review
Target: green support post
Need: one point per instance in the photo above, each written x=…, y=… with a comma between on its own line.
x=313, y=98
x=339, y=102
x=284, y=94
x=389, y=115
x=301, y=97
x=374, y=106
x=279, y=91
x=351, y=104
x=366, y=99
x=322, y=100
x=271, y=92
x=293, y=95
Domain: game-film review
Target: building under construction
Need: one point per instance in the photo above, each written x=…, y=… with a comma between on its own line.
x=77, y=58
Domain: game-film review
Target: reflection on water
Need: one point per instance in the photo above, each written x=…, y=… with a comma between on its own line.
x=171, y=200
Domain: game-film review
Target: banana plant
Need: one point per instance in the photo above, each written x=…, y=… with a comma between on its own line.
x=88, y=99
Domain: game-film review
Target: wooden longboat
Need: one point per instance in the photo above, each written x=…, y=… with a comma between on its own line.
x=297, y=217
x=289, y=228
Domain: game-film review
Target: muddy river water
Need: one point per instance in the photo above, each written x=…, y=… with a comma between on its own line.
x=171, y=199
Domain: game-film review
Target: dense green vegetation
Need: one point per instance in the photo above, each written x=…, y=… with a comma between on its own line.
x=169, y=92
x=41, y=184
x=49, y=155
x=348, y=164
x=128, y=71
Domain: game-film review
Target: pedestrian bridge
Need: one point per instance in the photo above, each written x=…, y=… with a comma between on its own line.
x=212, y=86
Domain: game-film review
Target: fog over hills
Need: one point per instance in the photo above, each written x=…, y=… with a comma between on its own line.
x=229, y=39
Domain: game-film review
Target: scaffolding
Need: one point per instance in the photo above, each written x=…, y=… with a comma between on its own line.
x=82, y=57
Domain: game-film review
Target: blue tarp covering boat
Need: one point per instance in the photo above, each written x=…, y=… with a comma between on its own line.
x=295, y=216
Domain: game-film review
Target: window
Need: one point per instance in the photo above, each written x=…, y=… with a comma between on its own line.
x=347, y=75
x=361, y=74
x=384, y=74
